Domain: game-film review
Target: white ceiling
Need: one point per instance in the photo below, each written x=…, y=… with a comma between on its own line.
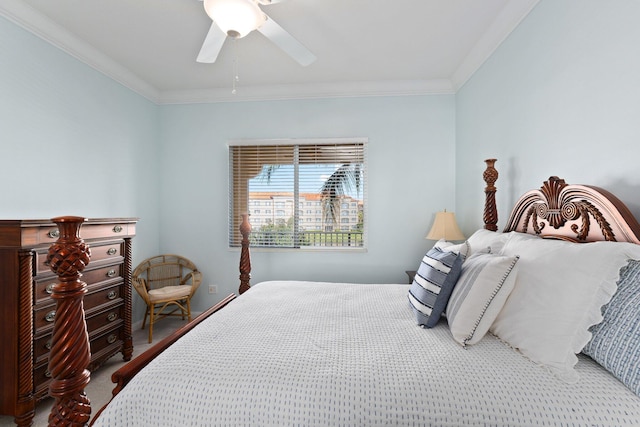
x=364, y=48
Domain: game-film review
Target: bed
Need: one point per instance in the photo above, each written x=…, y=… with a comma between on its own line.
x=524, y=342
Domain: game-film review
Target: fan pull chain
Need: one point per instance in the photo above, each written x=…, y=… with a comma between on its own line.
x=236, y=77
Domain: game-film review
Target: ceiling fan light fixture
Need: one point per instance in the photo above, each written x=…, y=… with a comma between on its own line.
x=236, y=18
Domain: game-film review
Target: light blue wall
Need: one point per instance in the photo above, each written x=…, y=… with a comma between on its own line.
x=561, y=96
x=168, y=165
x=411, y=172
x=72, y=141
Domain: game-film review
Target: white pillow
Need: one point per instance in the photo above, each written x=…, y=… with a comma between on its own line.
x=483, y=239
x=458, y=248
x=485, y=283
x=560, y=289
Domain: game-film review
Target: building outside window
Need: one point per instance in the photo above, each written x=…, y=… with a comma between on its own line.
x=329, y=174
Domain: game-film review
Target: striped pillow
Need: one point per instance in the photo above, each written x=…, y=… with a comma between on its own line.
x=615, y=342
x=485, y=283
x=432, y=285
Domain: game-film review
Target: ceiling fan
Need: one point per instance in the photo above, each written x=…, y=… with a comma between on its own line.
x=236, y=19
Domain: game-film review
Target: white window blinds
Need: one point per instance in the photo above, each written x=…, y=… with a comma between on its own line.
x=299, y=193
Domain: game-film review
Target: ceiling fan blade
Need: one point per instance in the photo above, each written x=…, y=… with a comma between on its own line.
x=286, y=42
x=212, y=45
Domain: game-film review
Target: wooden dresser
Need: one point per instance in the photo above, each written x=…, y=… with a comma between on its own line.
x=27, y=310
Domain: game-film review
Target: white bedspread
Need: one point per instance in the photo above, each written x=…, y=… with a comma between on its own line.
x=324, y=354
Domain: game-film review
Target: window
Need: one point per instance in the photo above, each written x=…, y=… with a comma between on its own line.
x=327, y=173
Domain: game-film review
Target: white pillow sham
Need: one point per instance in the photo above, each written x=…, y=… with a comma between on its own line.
x=483, y=239
x=482, y=289
x=558, y=294
x=458, y=248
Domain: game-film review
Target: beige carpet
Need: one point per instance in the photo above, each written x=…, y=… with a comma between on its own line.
x=99, y=389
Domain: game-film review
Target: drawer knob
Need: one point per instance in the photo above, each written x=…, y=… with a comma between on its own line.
x=50, y=316
x=112, y=338
x=49, y=288
x=111, y=273
x=112, y=251
x=117, y=229
x=54, y=234
x=47, y=374
x=48, y=345
x=112, y=316
x=112, y=295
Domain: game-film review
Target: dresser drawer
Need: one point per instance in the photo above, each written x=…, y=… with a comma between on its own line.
x=46, y=235
x=41, y=379
x=104, y=341
x=99, y=252
x=98, y=345
x=103, y=296
x=106, y=231
x=110, y=319
x=43, y=318
x=110, y=250
x=42, y=345
x=110, y=272
x=49, y=234
x=42, y=266
x=105, y=318
x=43, y=288
x=41, y=348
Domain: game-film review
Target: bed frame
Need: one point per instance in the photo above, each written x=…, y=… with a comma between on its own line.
x=578, y=213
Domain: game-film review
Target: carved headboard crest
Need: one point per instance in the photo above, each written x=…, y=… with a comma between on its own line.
x=573, y=212
x=558, y=208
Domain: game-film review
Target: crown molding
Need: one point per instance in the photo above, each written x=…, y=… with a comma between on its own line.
x=35, y=22
x=504, y=24
x=30, y=19
x=309, y=91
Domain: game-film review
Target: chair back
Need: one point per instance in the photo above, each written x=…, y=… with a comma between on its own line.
x=166, y=270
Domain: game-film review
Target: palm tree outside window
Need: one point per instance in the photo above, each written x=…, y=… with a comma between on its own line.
x=329, y=173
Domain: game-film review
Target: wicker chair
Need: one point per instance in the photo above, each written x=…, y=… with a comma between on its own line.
x=166, y=283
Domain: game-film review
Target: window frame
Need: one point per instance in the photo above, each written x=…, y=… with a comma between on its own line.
x=237, y=207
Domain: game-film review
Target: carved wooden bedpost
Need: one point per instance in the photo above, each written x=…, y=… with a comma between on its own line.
x=490, y=216
x=245, y=256
x=70, y=354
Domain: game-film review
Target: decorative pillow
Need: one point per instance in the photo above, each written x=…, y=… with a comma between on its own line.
x=559, y=291
x=483, y=239
x=615, y=343
x=432, y=285
x=485, y=283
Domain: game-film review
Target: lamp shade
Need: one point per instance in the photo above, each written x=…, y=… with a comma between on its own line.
x=445, y=227
x=236, y=18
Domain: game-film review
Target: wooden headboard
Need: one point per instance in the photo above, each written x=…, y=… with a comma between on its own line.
x=580, y=213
